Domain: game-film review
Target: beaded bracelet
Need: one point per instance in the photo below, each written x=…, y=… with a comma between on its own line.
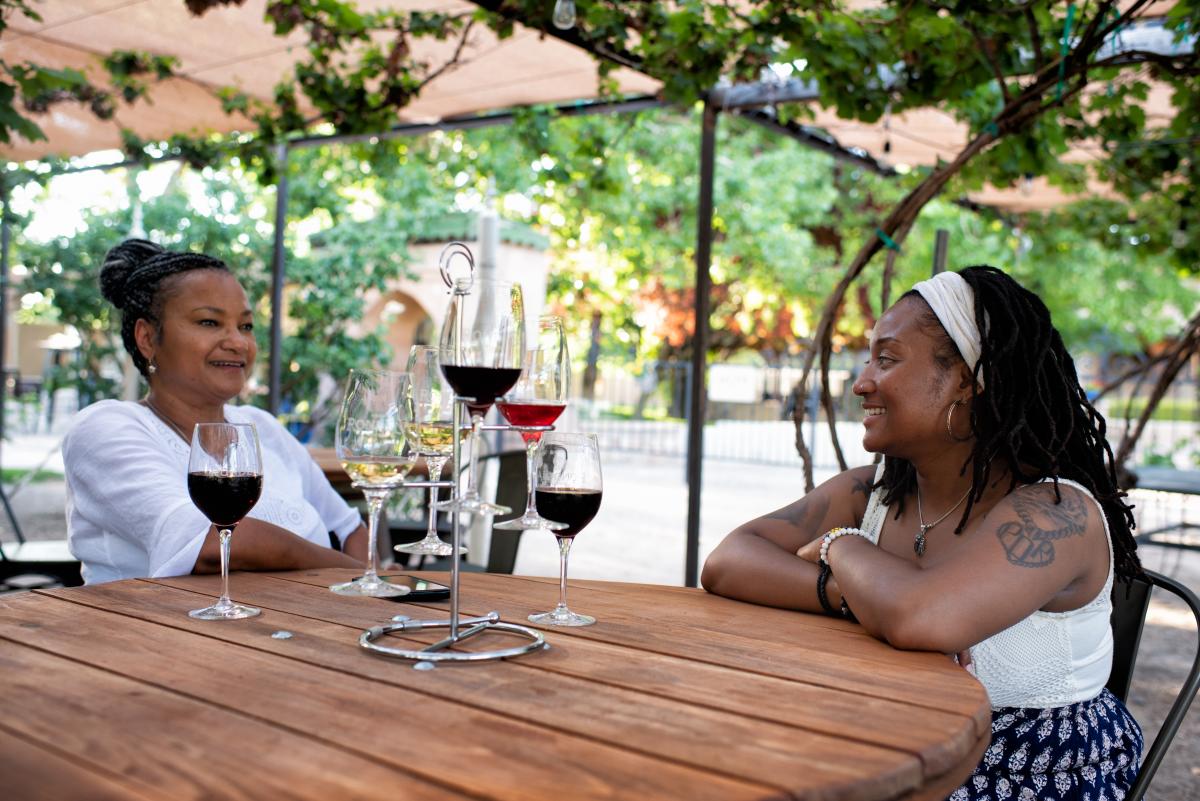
x=822, y=578
x=834, y=534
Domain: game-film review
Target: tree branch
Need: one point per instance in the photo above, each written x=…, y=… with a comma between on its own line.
x=1035, y=39
x=991, y=62
x=453, y=61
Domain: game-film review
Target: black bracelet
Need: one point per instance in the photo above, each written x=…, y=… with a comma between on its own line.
x=846, y=613
x=822, y=578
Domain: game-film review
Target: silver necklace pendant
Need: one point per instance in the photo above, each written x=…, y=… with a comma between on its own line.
x=919, y=541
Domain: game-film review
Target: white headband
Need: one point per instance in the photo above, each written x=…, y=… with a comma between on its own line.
x=953, y=301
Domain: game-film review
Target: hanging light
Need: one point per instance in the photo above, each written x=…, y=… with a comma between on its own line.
x=564, y=15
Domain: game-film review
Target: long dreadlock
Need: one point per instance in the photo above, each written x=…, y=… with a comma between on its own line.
x=1034, y=418
x=135, y=277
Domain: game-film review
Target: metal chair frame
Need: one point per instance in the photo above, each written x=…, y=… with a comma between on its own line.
x=1128, y=620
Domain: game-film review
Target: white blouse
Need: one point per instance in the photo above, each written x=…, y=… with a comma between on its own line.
x=129, y=514
x=1048, y=659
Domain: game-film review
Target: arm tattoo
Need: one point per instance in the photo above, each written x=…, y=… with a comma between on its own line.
x=1030, y=543
x=806, y=513
x=864, y=487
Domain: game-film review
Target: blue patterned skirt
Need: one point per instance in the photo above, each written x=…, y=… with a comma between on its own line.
x=1088, y=751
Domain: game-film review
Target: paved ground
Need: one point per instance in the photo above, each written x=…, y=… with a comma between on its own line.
x=639, y=536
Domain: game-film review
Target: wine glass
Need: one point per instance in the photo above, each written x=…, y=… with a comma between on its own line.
x=430, y=434
x=370, y=444
x=481, y=348
x=538, y=398
x=225, y=478
x=569, y=487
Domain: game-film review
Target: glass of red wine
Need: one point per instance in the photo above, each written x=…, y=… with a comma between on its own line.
x=569, y=488
x=538, y=398
x=481, y=346
x=225, y=479
x=371, y=442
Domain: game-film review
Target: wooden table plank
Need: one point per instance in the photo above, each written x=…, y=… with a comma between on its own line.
x=169, y=745
x=507, y=757
x=36, y=772
x=733, y=634
x=729, y=742
x=896, y=725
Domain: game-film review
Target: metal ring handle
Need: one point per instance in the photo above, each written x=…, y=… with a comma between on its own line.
x=536, y=643
x=446, y=258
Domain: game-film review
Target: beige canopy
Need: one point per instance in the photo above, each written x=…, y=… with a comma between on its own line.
x=234, y=46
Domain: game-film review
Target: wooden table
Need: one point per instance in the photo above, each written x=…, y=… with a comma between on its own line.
x=112, y=691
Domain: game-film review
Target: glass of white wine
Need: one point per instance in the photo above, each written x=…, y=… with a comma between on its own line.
x=430, y=434
x=371, y=445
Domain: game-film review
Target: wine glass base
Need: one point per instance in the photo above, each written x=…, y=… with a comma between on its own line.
x=473, y=506
x=426, y=547
x=226, y=611
x=561, y=617
x=530, y=522
x=369, y=588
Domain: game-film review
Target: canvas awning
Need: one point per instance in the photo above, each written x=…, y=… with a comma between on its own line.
x=234, y=46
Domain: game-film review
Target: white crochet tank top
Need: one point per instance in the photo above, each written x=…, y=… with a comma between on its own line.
x=1049, y=659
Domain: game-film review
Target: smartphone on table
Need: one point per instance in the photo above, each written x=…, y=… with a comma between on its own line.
x=419, y=589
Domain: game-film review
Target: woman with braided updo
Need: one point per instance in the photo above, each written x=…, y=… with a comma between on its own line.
x=992, y=530
x=187, y=325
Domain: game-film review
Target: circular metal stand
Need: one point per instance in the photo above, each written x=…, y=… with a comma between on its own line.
x=435, y=653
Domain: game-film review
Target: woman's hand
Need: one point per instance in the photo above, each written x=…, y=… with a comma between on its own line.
x=811, y=552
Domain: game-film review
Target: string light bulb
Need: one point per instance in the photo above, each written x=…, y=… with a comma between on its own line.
x=564, y=15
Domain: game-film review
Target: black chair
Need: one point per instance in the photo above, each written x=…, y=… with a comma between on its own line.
x=510, y=492
x=41, y=563
x=1128, y=617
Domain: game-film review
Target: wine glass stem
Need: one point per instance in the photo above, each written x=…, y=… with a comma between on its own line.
x=530, y=470
x=436, y=463
x=476, y=436
x=375, y=499
x=224, y=535
x=564, y=549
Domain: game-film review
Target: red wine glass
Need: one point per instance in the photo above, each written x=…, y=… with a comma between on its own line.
x=225, y=480
x=538, y=398
x=569, y=488
x=481, y=346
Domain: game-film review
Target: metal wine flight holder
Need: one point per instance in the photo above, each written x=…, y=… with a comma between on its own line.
x=435, y=654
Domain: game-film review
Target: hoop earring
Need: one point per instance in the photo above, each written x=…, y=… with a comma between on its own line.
x=949, y=424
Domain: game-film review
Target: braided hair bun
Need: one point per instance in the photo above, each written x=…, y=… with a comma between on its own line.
x=136, y=278
x=121, y=262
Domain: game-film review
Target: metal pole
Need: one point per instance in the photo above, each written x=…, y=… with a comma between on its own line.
x=5, y=235
x=699, y=386
x=941, y=244
x=277, y=278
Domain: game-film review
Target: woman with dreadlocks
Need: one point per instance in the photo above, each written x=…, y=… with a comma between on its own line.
x=992, y=530
x=187, y=325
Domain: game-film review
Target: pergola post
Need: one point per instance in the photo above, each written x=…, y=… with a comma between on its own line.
x=5, y=235
x=277, y=278
x=698, y=397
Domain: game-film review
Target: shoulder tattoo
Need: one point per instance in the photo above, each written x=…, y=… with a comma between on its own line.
x=862, y=486
x=1030, y=543
x=806, y=513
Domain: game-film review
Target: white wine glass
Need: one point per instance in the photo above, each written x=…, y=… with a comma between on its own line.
x=538, y=399
x=482, y=345
x=569, y=489
x=371, y=445
x=430, y=434
x=225, y=480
